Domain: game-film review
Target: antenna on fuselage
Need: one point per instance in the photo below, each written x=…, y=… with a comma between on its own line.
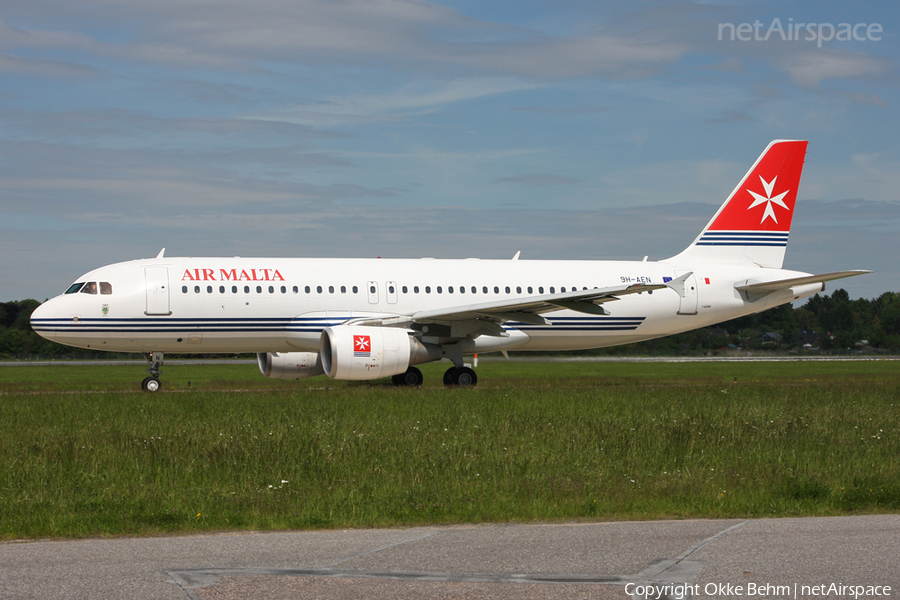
x=516, y=257
x=161, y=253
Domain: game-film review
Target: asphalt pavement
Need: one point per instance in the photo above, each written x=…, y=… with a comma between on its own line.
x=834, y=557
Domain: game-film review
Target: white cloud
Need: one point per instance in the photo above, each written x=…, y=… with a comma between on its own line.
x=809, y=67
x=236, y=34
x=409, y=99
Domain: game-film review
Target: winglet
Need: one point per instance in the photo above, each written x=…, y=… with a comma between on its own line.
x=677, y=284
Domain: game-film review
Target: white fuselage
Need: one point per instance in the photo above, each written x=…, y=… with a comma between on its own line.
x=236, y=305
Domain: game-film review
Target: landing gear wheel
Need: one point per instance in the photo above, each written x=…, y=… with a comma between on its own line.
x=412, y=378
x=151, y=384
x=461, y=376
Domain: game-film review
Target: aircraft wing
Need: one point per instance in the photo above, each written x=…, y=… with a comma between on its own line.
x=783, y=284
x=529, y=309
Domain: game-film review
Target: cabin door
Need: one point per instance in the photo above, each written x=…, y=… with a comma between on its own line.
x=690, y=299
x=157, y=279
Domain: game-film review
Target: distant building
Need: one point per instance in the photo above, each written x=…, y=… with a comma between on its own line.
x=771, y=337
x=808, y=338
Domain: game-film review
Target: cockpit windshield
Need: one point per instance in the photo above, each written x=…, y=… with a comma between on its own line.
x=91, y=287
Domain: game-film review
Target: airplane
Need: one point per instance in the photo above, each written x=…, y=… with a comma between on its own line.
x=369, y=318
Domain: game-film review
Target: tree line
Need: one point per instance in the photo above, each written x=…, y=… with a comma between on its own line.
x=824, y=323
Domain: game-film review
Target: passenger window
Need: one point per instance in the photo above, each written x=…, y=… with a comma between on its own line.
x=259, y=289
x=474, y=289
x=355, y=290
x=330, y=289
x=283, y=290
x=563, y=289
x=105, y=288
x=552, y=290
x=234, y=289
x=74, y=288
x=462, y=289
x=272, y=289
x=518, y=289
x=415, y=289
x=530, y=290
x=439, y=290
x=184, y=289
x=196, y=289
x=371, y=289
x=541, y=290
x=209, y=289
x=89, y=288
x=319, y=289
x=427, y=289
x=306, y=289
x=507, y=289
x=496, y=290
x=296, y=289
x=484, y=290
x=221, y=289
x=404, y=289
x=450, y=289
x=246, y=289
x=343, y=289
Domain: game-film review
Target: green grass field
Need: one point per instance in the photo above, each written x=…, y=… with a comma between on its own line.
x=83, y=452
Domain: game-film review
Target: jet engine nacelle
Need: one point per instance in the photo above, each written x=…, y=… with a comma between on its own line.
x=350, y=352
x=289, y=365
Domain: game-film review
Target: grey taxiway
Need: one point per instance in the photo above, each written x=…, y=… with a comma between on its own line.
x=836, y=557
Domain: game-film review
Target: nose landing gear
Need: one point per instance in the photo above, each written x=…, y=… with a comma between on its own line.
x=152, y=383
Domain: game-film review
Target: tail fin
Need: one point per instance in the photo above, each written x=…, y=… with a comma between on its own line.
x=753, y=224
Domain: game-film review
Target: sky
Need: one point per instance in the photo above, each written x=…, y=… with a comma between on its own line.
x=401, y=128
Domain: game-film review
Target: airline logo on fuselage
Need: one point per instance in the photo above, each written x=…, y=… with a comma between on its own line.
x=232, y=275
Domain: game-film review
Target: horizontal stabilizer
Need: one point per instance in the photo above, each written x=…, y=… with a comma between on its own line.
x=783, y=284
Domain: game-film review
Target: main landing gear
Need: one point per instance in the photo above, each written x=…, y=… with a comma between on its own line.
x=412, y=378
x=458, y=376
x=461, y=376
x=152, y=383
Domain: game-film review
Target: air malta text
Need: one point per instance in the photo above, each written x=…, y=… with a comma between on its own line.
x=232, y=275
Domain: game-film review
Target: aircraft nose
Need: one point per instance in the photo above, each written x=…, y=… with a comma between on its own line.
x=42, y=320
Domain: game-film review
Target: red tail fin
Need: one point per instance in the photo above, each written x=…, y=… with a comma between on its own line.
x=753, y=224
